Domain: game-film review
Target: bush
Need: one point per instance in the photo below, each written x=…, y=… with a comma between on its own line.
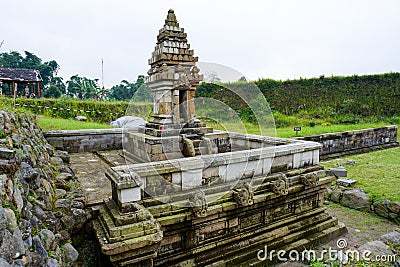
x=66, y=108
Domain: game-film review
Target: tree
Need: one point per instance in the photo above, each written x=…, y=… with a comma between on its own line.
x=125, y=90
x=242, y=79
x=85, y=88
x=58, y=81
x=52, y=92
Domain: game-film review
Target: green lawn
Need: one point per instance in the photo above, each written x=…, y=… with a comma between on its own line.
x=377, y=173
x=47, y=123
x=289, y=132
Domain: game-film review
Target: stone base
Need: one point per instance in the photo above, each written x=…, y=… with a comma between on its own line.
x=285, y=212
x=164, y=130
x=145, y=147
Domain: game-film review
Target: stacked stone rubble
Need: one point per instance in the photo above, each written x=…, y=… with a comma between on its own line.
x=40, y=203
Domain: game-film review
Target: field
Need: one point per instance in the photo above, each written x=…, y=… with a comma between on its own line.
x=47, y=124
x=377, y=173
x=288, y=132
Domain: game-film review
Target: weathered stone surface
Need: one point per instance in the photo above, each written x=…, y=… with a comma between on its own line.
x=37, y=259
x=11, y=220
x=62, y=203
x=346, y=182
x=64, y=156
x=4, y=263
x=394, y=207
x=28, y=242
x=57, y=161
x=47, y=238
x=78, y=204
x=49, y=149
x=336, y=195
x=68, y=221
x=6, y=153
x=339, y=172
x=3, y=180
x=356, y=199
x=64, y=176
x=381, y=210
x=3, y=219
x=18, y=263
x=60, y=193
x=62, y=184
x=7, y=246
x=377, y=248
x=79, y=217
x=70, y=253
x=52, y=263
x=38, y=246
x=62, y=237
x=19, y=245
x=392, y=238
x=17, y=199
x=28, y=173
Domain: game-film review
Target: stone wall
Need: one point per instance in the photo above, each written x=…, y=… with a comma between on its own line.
x=41, y=203
x=75, y=141
x=333, y=144
x=353, y=142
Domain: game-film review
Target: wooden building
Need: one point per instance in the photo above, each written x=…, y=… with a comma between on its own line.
x=24, y=82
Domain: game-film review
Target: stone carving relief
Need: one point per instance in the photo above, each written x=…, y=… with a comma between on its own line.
x=281, y=186
x=195, y=73
x=183, y=80
x=156, y=186
x=198, y=203
x=243, y=194
x=309, y=180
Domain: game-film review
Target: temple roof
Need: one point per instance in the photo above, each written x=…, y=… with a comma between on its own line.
x=20, y=75
x=172, y=46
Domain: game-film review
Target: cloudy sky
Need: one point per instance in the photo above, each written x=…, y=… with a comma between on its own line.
x=280, y=39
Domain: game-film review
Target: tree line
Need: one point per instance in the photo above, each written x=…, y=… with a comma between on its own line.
x=78, y=87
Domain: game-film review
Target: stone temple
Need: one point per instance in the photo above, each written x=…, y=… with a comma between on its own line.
x=193, y=196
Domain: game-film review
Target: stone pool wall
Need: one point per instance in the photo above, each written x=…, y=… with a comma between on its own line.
x=333, y=144
x=75, y=141
x=354, y=142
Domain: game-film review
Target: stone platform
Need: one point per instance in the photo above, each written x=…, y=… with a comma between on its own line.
x=198, y=217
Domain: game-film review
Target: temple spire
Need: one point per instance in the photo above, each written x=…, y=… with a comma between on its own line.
x=171, y=19
x=173, y=75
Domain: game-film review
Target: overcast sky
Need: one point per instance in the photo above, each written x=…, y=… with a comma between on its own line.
x=280, y=39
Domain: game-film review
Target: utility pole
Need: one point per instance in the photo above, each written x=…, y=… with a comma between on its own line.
x=1, y=44
x=102, y=73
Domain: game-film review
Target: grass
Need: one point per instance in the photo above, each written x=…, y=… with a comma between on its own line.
x=377, y=173
x=288, y=132
x=47, y=123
